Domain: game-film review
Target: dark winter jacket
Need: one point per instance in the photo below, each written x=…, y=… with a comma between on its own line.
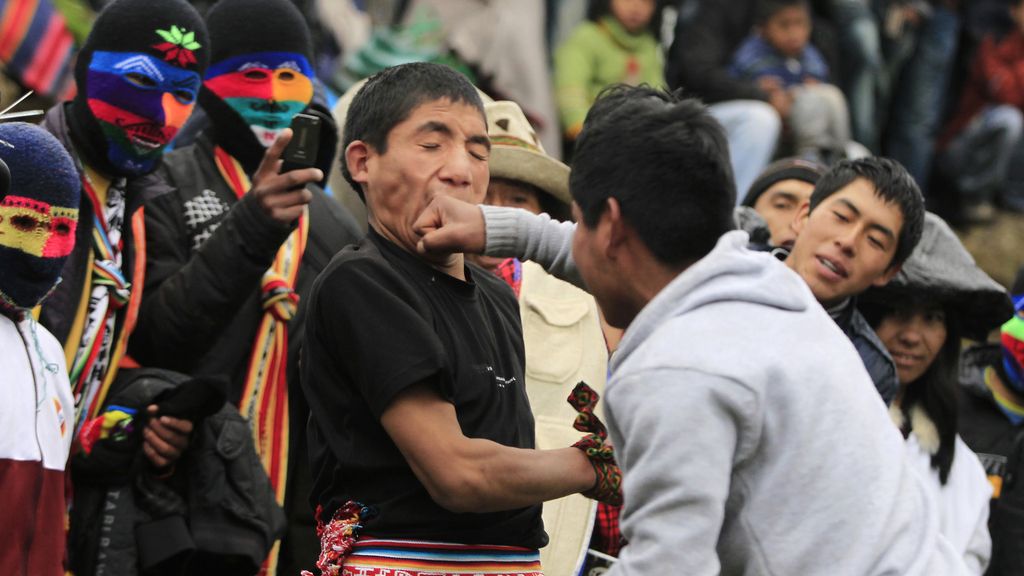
x=1000, y=447
x=876, y=358
x=208, y=251
x=703, y=48
x=215, y=515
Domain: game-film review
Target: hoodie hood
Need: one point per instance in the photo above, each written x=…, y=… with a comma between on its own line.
x=730, y=273
x=940, y=267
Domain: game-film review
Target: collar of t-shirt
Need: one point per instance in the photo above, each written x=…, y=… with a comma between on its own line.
x=420, y=270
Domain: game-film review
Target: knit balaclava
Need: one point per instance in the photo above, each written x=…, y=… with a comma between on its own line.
x=38, y=216
x=260, y=75
x=1012, y=339
x=138, y=76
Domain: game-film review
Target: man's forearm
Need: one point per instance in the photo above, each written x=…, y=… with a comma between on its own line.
x=513, y=232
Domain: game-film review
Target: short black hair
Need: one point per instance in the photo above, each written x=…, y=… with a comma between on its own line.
x=892, y=183
x=665, y=160
x=389, y=96
x=767, y=9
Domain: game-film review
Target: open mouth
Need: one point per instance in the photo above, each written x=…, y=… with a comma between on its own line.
x=147, y=136
x=904, y=359
x=834, y=267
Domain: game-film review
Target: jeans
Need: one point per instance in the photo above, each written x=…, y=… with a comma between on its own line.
x=919, y=61
x=860, y=67
x=819, y=120
x=752, y=128
x=979, y=158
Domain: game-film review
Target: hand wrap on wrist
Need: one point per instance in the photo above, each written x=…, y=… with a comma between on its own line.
x=608, y=478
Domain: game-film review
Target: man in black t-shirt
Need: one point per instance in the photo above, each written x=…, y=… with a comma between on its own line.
x=420, y=426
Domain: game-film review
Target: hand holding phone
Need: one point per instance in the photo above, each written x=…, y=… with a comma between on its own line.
x=282, y=193
x=302, y=151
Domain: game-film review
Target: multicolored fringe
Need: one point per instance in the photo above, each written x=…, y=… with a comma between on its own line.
x=608, y=485
x=37, y=47
x=264, y=401
x=99, y=349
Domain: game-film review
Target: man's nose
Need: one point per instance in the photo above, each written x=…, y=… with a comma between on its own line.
x=456, y=170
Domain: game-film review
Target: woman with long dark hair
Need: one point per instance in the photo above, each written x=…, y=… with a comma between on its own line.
x=939, y=297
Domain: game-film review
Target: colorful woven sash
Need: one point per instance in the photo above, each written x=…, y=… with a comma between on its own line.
x=264, y=401
x=378, y=557
x=109, y=291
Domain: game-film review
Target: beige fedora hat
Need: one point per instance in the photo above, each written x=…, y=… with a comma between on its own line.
x=517, y=154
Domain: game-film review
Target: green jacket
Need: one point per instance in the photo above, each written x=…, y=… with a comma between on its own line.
x=599, y=54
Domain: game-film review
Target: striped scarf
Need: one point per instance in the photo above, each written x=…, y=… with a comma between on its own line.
x=90, y=371
x=264, y=401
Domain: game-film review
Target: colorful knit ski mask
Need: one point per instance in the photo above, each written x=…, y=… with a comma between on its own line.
x=1012, y=338
x=138, y=77
x=260, y=65
x=38, y=216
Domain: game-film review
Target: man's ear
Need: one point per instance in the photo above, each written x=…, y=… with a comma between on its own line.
x=612, y=228
x=357, y=153
x=889, y=274
x=802, y=214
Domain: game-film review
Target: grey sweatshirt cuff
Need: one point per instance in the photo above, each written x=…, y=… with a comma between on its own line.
x=502, y=230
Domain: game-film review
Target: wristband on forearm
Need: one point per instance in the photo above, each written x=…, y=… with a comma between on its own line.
x=608, y=477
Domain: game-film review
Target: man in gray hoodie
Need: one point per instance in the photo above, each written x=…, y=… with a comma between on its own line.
x=749, y=433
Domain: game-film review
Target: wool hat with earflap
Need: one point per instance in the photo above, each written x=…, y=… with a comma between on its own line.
x=240, y=28
x=170, y=31
x=38, y=215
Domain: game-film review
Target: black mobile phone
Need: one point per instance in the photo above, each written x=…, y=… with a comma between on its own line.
x=301, y=152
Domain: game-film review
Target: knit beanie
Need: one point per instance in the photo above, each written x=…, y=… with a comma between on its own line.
x=1012, y=339
x=785, y=169
x=169, y=31
x=38, y=215
x=265, y=30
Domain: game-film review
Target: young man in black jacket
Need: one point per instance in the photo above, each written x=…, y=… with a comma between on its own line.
x=234, y=248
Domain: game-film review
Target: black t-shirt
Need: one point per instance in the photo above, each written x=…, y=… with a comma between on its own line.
x=380, y=321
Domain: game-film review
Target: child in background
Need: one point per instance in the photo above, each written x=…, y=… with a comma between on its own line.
x=780, y=59
x=981, y=146
x=616, y=45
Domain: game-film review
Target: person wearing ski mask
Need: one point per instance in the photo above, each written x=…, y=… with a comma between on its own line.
x=137, y=77
x=38, y=217
x=234, y=246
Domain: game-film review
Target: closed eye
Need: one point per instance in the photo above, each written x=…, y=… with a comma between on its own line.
x=841, y=217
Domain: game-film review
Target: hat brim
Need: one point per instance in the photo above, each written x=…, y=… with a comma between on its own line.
x=533, y=168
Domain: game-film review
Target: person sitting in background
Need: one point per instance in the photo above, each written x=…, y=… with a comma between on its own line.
x=38, y=218
x=938, y=297
x=981, y=148
x=991, y=422
x=779, y=58
x=616, y=45
x=778, y=193
x=698, y=62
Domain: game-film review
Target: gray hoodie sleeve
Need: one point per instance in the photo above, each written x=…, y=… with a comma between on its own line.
x=677, y=477
x=514, y=232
